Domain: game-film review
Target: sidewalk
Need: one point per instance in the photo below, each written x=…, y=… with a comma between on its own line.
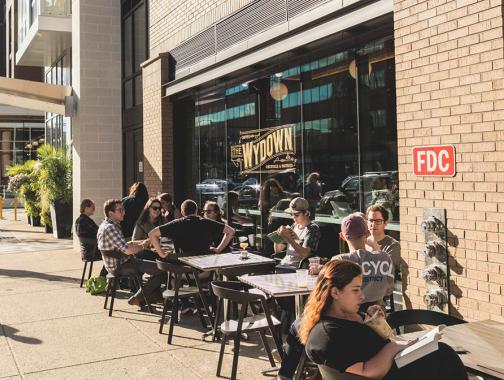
x=52, y=329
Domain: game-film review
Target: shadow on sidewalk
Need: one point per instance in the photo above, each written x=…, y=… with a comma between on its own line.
x=16, y=273
x=11, y=332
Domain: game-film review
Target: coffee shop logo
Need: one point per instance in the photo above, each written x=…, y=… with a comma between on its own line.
x=266, y=150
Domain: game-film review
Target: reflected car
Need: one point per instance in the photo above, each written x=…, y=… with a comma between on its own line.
x=212, y=186
x=345, y=199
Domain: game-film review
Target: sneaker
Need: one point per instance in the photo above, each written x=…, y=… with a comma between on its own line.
x=134, y=300
x=276, y=355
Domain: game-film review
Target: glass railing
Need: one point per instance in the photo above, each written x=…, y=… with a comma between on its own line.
x=29, y=10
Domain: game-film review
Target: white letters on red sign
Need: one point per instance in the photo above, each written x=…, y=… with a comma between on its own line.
x=436, y=160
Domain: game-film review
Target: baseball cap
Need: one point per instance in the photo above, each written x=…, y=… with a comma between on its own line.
x=298, y=204
x=354, y=226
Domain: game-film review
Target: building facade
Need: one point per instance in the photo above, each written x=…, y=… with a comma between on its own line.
x=238, y=92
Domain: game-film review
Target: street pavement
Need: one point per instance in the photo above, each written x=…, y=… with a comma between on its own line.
x=50, y=328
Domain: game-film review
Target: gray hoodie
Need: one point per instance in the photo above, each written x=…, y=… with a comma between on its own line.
x=377, y=273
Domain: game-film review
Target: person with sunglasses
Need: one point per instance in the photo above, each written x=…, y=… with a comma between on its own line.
x=149, y=218
x=302, y=237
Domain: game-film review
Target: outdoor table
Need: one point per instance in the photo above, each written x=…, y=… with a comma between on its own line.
x=480, y=346
x=217, y=262
x=282, y=285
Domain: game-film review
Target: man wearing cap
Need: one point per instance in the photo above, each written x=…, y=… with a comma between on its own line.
x=301, y=238
x=377, y=267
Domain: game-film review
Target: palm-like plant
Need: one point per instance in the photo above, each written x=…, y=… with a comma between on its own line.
x=23, y=180
x=55, y=174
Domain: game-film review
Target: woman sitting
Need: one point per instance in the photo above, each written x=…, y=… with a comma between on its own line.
x=335, y=334
x=85, y=227
x=212, y=211
x=149, y=218
x=169, y=211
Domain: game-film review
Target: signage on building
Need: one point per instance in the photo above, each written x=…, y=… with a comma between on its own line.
x=268, y=150
x=435, y=160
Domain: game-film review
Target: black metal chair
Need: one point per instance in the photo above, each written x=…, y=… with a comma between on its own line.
x=425, y=317
x=179, y=292
x=236, y=293
x=88, y=248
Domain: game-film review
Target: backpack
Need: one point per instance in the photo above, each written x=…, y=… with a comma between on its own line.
x=96, y=285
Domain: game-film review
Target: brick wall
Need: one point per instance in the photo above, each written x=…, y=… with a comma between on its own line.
x=157, y=127
x=172, y=22
x=450, y=90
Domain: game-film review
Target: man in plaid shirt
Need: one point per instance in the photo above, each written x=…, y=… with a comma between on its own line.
x=118, y=255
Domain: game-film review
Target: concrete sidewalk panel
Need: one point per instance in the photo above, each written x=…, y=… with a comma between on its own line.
x=39, y=262
x=7, y=363
x=38, y=282
x=78, y=340
x=149, y=366
x=51, y=304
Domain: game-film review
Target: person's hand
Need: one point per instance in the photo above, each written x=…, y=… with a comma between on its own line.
x=315, y=269
x=374, y=311
x=373, y=244
x=399, y=345
x=214, y=250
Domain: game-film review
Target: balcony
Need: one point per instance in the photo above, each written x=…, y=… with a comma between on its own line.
x=44, y=31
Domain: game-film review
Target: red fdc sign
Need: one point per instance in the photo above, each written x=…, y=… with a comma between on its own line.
x=436, y=160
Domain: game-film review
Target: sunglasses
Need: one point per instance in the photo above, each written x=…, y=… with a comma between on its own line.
x=156, y=208
x=296, y=213
x=208, y=211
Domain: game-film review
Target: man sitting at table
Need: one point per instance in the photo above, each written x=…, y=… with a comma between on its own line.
x=301, y=238
x=192, y=234
x=118, y=255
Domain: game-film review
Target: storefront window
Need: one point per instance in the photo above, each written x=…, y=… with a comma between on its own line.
x=324, y=129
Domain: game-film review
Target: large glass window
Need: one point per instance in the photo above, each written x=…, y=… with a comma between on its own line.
x=134, y=51
x=324, y=129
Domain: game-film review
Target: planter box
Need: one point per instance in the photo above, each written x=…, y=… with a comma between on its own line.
x=61, y=218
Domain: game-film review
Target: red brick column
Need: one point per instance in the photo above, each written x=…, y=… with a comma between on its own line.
x=450, y=90
x=158, y=126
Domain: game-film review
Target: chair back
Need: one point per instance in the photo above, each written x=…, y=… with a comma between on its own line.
x=113, y=253
x=235, y=291
x=88, y=248
x=329, y=373
x=176, y=269
x=424, y=317
x=259, y=269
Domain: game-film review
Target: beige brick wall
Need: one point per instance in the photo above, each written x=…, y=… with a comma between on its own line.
x=172, y=22
x=450, y=90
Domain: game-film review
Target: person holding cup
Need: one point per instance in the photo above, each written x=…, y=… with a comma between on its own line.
x=301, y=238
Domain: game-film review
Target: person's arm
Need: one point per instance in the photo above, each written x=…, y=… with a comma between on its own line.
x=290, y=237
x=154, y=237
x=228, y=233
x=279, y=247
x=379, y=365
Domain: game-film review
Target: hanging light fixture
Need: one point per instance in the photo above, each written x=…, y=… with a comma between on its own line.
x=279, y=91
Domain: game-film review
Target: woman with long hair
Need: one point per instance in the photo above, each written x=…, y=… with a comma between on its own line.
x=149, y=218
x=335, y=335
x=212, y=211
x=169, y=212
x=133, y=205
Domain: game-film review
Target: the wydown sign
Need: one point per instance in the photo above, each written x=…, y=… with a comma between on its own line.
x=267, y=150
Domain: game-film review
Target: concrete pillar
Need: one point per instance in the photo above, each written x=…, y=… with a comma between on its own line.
x=157, y=127
x=96, y=80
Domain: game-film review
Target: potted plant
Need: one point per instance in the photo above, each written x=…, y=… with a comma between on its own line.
x=55, y=178
x=23, y=181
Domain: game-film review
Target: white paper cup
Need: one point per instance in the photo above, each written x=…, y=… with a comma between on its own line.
x=314, y=260
x=251, y=240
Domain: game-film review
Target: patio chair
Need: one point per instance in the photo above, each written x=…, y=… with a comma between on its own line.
x=235, y=292
x=179, y=292
x=88, y=247
x=329, y=373
x=425, y=317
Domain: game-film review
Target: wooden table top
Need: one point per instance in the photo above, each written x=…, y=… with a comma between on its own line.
x=279, y=284
x=480, y=345
x=223, y=260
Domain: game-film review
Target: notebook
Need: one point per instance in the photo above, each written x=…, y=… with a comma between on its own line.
x=426, y=344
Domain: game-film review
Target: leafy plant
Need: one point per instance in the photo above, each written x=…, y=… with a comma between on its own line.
x=55, y=174
x=24, y=181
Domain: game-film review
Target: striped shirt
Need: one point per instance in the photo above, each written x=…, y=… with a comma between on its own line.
x=111, y=238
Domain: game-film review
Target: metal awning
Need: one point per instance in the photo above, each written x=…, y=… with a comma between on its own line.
x=36, y=96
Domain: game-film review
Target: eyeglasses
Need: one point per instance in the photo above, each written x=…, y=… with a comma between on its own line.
x=156, y=208
x=208, y=211
x=376, y=221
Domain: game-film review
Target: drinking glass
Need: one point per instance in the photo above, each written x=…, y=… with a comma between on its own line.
x=302, y=278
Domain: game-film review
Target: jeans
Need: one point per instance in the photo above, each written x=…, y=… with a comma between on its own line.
x=293, y=349
x=157, y=277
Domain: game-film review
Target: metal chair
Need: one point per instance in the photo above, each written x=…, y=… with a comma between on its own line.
x=88, y=248
x=424, y=317
x=179, y=292
x=235, y=292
